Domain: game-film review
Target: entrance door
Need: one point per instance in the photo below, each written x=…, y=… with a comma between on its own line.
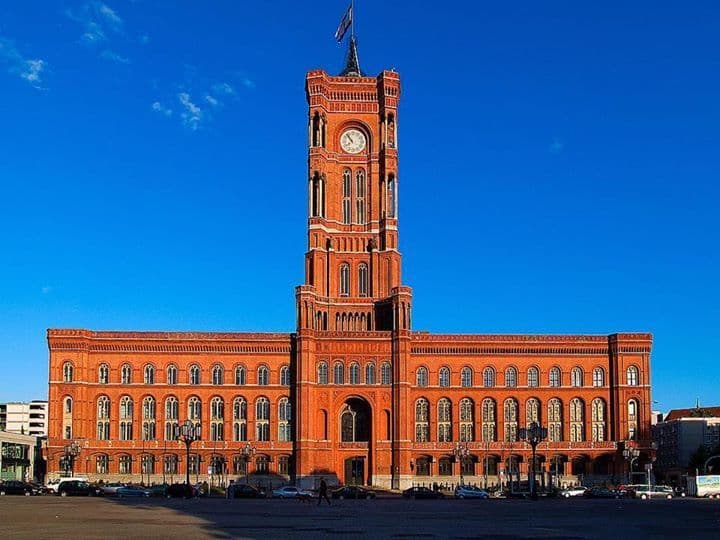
x=355, y=471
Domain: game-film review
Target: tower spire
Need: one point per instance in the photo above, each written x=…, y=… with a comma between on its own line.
x=352, y=63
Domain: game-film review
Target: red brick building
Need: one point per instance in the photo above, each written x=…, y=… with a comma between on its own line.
x=355, y=392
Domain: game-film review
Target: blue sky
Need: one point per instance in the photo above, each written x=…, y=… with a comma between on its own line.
x=559, y=169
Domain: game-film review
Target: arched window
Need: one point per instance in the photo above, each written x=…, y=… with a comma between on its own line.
x=172, y=374
x=444, y=377
x=533, y=376
x=354, y=373
x=67, y=418
x=195, y=410
x=360, y=196
x=370, y=373
x=217, y=375
x=598, y=419
x=68, y=405
x=344, y=279
x=511, y=377
x=103, y=418
x=488, y=420
x=346, y=196
x=240, y=419
x=444, y=420
x=511, y=420
x=577, y=420
x=632, y=376
x=102, y=464
x=422, y=420
x=217, y=419
x=68, y=372
x=421, y=377
x=262, y=419
x=555, y=432
x=103, y=374
x=285, y=376
x=172, y=418
x=284, y=417
x=126, y=374
x=633, y=419
x=532, y=412
x=598, y=377
x=576, y=377
x=263, y=376
x=322, y=373
x=466, y=377
x=488, y=377
x=149, y=374
x=239, y=376
x=125, y=464
x=194, y=374
x=385, y=373
x=363, y=279
x=148, y=427
x=554, y=377
x=126, y=418
x=391, y=196
x=339, y=373
x=170, y=464
x=467, y=420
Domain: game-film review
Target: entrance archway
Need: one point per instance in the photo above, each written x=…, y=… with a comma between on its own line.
x=355, y=427
x=355, y=421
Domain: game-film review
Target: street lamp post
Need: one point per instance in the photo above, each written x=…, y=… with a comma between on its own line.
x=461, y=453
x=188, y=433
x=72, y=451
x=247, y=452
x=631, y=454
x=533, y=434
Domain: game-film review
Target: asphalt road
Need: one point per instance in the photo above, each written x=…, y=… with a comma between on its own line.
x=55, y=517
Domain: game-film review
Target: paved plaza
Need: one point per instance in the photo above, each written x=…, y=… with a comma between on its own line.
x=53, y=517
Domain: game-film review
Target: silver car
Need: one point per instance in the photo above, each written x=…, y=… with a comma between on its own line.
x=290, y=492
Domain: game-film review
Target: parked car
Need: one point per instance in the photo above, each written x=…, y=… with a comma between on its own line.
x=290, y=492
x=353, y=492
x=67, y=488
x=246, y=491
x=577, y=491
x=16, y=487
x=470, y=492
x=159, y=490
x=602, y=493
x=133, y=491
x=418, y=492
x=110, y=490
x=51, y=486
x=180, y=490
x=653, y=492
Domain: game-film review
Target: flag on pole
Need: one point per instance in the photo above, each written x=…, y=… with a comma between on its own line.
x=344, y=24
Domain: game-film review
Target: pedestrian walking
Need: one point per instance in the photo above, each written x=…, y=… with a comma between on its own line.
x=322, y=492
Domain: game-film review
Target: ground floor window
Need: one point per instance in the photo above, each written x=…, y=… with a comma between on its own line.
x=284, y=465
x=422, y=466
x=445, y=467
x=171, y=464
x=261, y=465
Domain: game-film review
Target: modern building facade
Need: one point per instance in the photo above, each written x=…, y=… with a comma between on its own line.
x=354, y=393
x=20, y=457
x=29, y=418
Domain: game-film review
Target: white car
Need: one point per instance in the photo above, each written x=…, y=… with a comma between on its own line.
x=573, y=492
x=52, y=485
x=290, y=492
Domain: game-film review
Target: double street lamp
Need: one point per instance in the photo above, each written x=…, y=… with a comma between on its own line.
x=188, y=432
x=631, y=454
x=534, y=435
x=71, y=452
x=461, y=453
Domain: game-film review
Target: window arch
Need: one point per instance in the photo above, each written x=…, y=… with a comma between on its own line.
x=466, y=377
x=103, y=374
x=555, y=420
x=339, y=373
x=598, y=377
x=362, y=279
x=263, y=376
x=149, y=374
x=510, y=409
x=172, y=374
x=67, y=418
x=511, y=377
x=488, y=420
x=385, y=373
x=346, y=196
x=126, y=374
x=488, y=377
x=633, y=408
x=370, y=373
x=421, y=377
x=533, y=377
x=467, y=420
x=598, y=419
x=172, y=418
x=354, y=373
x=554, y=377
x=148, y=417
x=240, y=375
x=577, y=420
x=126, y=418
x=345, y=279
x=444, y=377
x=102, y=464
x=576, y=377
x=422, y=420
x=68, y=371
x=285, y=376
x=103, y=418
x=262, y=419
x=217, y=375
x=633, y=377
x=217, y=419
x=532, y=412
x=284, y=417
x=444, y=419
x=195, y=409
x=322, y=373
x=194, y=374
x=360, y=196
x=240, y=419
x=391, y=196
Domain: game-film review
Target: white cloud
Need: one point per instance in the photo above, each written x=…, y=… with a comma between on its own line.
x=192, y=115
x=212, y=101
x=114, y=57
x=28, y=69
x=100, y=23
x=247, y=83
x=556, y=146
x=223, y=89
x=46, y=289
x=158, y=107
x=109, y=15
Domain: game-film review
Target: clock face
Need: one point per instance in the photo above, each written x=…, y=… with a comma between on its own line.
x=353, y=141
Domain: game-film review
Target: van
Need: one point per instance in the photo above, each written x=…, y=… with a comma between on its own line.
x=51, y=486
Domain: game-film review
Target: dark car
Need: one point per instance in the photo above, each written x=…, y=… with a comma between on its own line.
x=353, y=492
x=601, y=493
x=246, y=491
x=72, y=488
x=180, y=490
x=16, y=487
x=422, y=493
x=159, y=490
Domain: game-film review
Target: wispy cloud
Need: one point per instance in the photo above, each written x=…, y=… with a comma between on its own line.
x=556, y=146
x=212, y=100
x=158, y=107
x=114, y=57
x=223, y=89
x=46, y=290
x=191, y=115
x=101, y=24
x=29, y=69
